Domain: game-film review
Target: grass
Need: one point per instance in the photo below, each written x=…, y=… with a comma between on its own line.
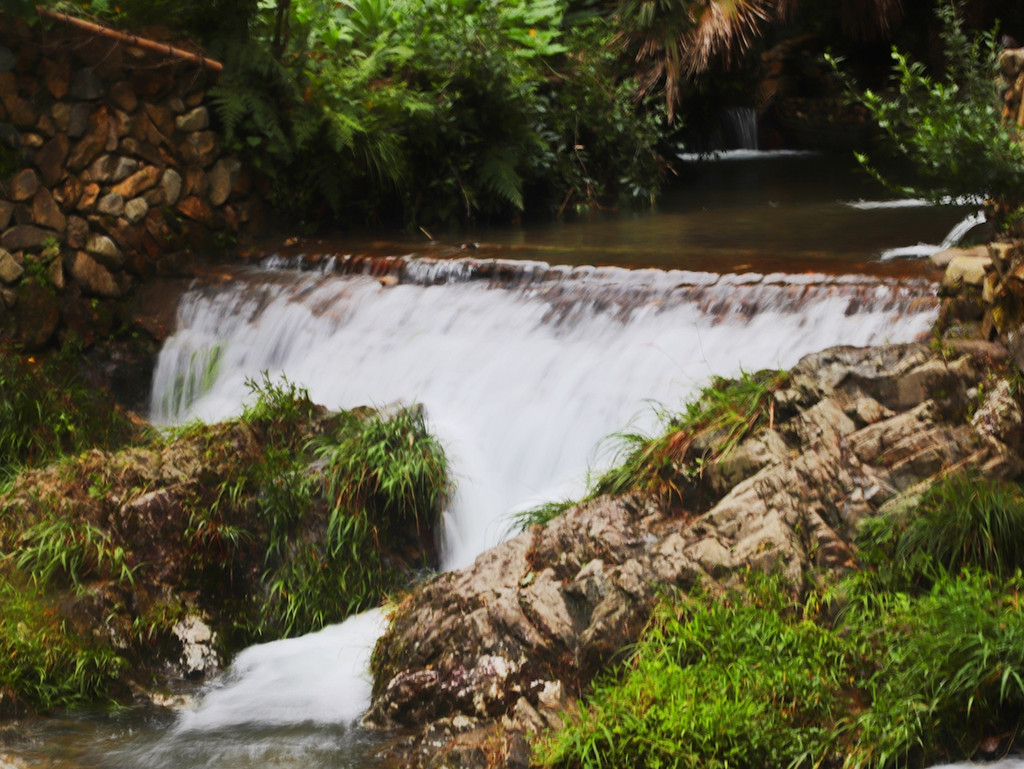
x=48, y=410
x=669, y=465
x=915, y=660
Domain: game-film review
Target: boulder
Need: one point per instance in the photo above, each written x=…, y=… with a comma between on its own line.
x=123, y=96
x=135, y=209
x=104, y=250
x=111, y=204
x=170, y=183
x=110, y=168
x=93, y=277
x=138, y=182
x=966, y=270
x=86, y=85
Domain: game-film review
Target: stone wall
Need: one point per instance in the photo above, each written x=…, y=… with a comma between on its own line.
x=111, y=173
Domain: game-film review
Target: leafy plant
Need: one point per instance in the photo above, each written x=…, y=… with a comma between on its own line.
x=72, y=550
x=950, y=126
x=43, y=660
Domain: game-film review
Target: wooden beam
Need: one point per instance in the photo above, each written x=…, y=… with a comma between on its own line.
x=135, y=40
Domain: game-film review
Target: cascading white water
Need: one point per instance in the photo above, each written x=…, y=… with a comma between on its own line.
x=522, y=369
x=924, y=250
x=520, y=382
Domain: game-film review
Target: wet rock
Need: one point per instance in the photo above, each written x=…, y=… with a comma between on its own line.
x=223, y=176
x=199, y=656
x=50, y=159
x=6, y=210
x=111, y=204
x=138, y=182
x=104, y=250
x=135, y=209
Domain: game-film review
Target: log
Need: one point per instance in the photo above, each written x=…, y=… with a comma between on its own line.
x=140, y=42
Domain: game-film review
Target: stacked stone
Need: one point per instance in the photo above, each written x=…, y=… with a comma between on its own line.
x=112, y=171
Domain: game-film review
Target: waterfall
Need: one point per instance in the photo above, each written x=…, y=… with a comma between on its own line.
x=522, y=368
x=739, y=128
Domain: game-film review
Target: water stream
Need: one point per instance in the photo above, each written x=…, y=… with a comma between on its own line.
x=523, y=368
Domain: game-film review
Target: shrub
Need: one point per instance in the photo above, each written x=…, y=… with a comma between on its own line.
x=47, y=410
x=950, y=126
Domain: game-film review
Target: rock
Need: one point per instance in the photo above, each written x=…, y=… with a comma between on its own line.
x=78, y=231
x=93, y=277
x=56, y=274
x=25, y=237
x=943, y=258
x=161, y=117
x=10, y=270
x=196, y=209
x=123, y=96
x=36, y=315
x=23, y=186
x=56, y=75
x=104, y=250
x=93, y=142
x=138, y=182
x=1011, y=62
x=6, y=210
x=135, y=209
x=199, y=656
x=78, y=119
x=111, y=204
x=170, y=183
x=223, y=176
x=86, y=85
x=50, y=159
x=46, y=213
x=197, y=119
x=199, y=148
x=87, y=200
x=7, y=60
x=966, y=270
x=546, y=610
x=110, y=168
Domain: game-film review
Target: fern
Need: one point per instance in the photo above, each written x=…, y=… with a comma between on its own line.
x=498, y=174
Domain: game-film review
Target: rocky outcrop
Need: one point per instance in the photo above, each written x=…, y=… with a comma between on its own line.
x=110, y=168
x=489, y=653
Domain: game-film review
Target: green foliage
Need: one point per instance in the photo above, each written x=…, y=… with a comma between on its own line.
x=47, y=409
x=756, y=680
x=961, y=521
x=724, y=413
x=43, y=660
x=950, y=126
x=716, y=682
x=72, y=552
x=540, y=515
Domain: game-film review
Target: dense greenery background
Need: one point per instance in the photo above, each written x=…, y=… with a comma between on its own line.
x=431, y=112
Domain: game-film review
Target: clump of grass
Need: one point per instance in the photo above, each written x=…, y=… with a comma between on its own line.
x=47, y=410
x=740, y=680
x=72, y=551
x=46, y=663
x=725, y=413
x=540, y=515
x=961, y=521
x=752, y=679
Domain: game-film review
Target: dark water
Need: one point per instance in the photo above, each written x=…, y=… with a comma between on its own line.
x=767, y=212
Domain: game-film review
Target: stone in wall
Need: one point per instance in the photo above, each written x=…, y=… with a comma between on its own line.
x=122, y=170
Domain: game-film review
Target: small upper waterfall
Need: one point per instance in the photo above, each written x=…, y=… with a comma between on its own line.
x=523, y=368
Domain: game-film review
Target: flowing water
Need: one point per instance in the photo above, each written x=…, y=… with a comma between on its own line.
x=523, y=366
